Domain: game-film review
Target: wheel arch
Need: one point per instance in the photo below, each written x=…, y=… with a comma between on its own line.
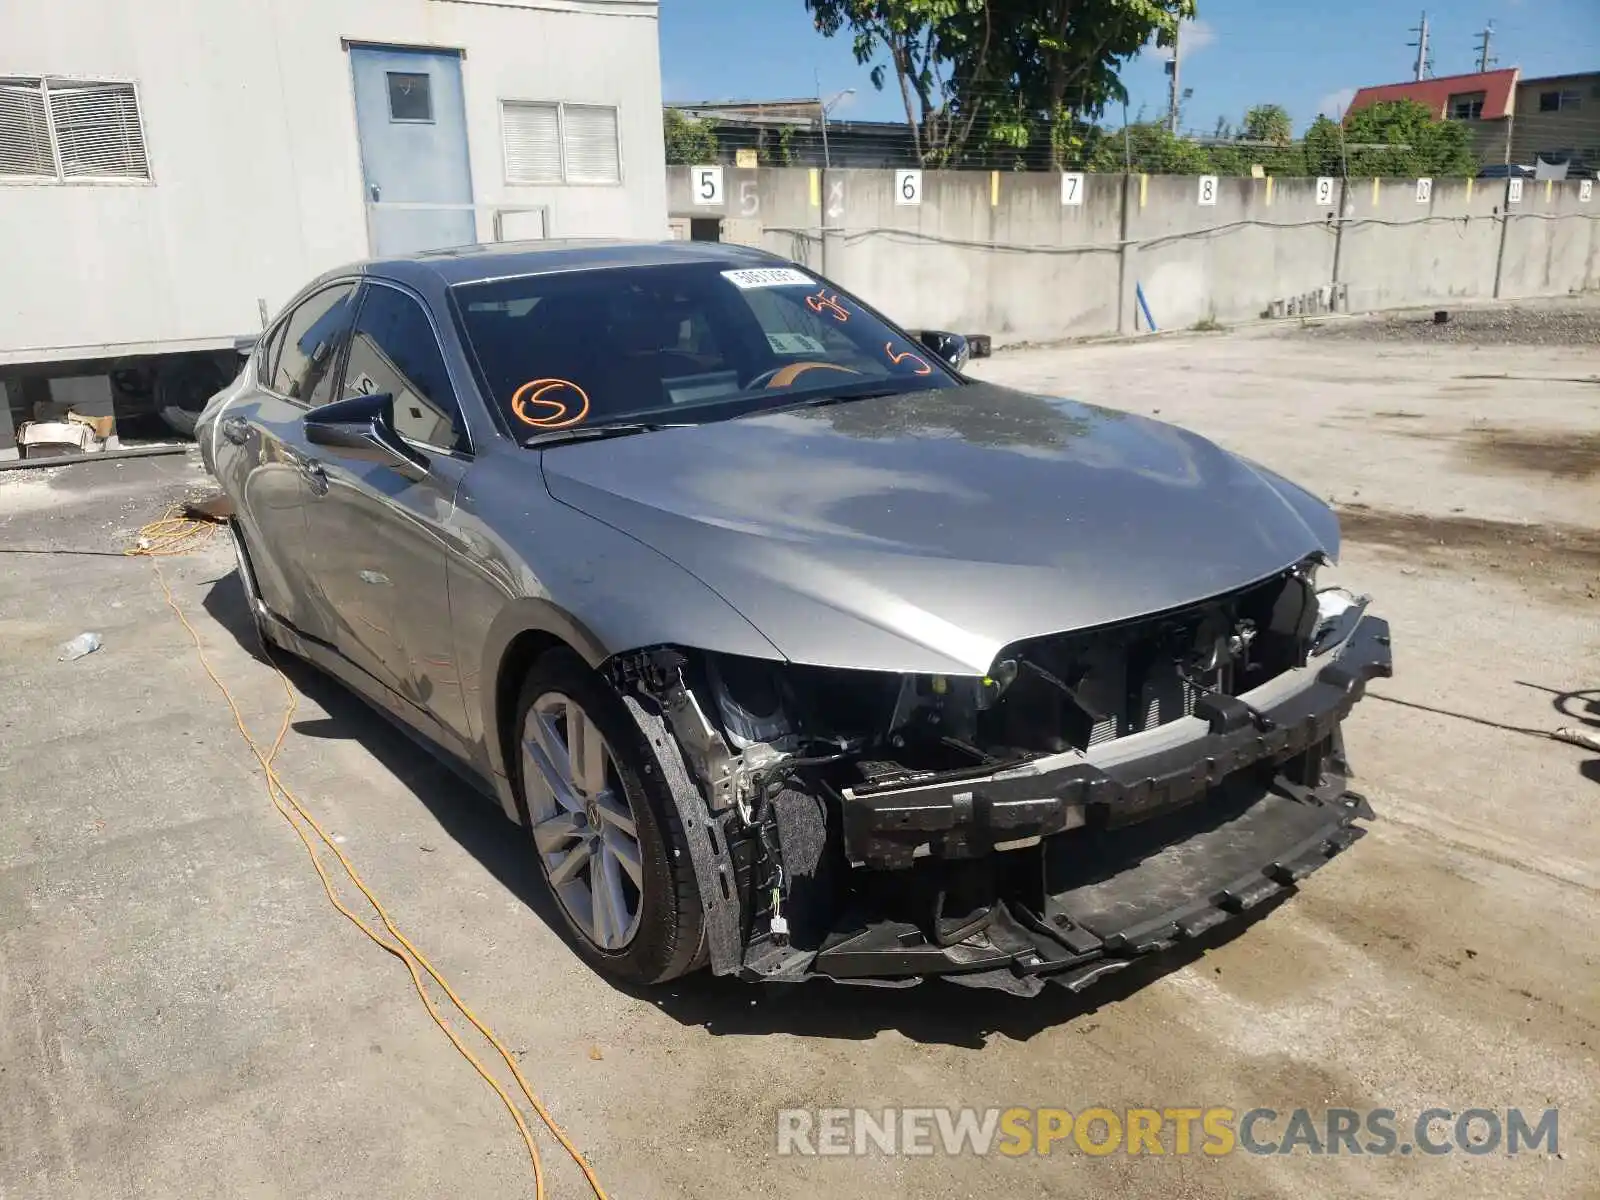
x=527, y=629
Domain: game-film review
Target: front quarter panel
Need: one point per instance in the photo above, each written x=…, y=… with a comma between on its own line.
x=525, y=563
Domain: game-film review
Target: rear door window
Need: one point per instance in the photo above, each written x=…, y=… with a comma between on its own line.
x=312, y=338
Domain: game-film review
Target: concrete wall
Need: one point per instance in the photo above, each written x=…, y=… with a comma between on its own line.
x=1397, y=251
x=1262, y=239
x=999, y=253
x=1552, y=241
x=250, y=132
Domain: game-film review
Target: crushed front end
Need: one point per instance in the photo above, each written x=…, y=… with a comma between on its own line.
x=1097, y=796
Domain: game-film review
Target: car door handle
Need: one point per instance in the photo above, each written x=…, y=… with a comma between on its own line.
x=316, y=478
x=236, y=430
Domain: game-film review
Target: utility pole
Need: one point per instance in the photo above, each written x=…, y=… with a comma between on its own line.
x=1172, y=93
x=822, y=114
x=1423, y=63
x=1484, y=38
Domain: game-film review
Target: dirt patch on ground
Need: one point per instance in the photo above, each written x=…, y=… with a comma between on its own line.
x=1537, y=323
x=1560, y=560
x=1568, y=455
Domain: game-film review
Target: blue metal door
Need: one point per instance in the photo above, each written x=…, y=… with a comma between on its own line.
x=412, y=125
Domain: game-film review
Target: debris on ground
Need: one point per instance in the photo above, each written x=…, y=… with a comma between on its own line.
x=1589, y=739
x=213, y=506
x=84, y=643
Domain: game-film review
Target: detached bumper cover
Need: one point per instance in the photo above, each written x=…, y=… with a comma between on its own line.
x=974, y=814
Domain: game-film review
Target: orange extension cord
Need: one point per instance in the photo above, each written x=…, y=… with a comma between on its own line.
x=177, y=534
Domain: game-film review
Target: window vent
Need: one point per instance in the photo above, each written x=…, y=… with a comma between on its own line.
x=24, y=131
x=560, y=143
x=70, y=129
x=97, y=130
x=589, y=133
x=532, y=135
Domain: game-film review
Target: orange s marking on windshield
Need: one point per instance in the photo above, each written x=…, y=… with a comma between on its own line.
x=563, y=402
x=905, y=355
x=822, y=302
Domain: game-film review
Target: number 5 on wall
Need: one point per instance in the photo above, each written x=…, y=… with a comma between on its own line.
x=706, y=184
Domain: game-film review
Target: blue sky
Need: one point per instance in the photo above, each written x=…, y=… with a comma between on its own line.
x=1305, y=56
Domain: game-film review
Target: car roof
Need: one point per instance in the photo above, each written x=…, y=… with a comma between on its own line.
x=502, y=260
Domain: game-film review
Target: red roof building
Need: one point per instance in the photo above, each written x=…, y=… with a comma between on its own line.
x=1485, y=96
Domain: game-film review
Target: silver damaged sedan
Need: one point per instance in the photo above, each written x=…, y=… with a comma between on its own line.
x=793, y=651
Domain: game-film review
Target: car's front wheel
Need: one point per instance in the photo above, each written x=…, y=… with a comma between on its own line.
x=605, y=830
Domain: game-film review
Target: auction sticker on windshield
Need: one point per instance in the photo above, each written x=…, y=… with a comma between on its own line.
x=762, y=277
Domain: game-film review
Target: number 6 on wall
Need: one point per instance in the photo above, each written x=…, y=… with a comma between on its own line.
x=908, y=187
x=706, y=184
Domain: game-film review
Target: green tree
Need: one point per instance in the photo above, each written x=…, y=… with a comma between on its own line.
x=1268, y=123
x=1151, y=147
x=924, y=40
x=980, y=75
x=688, y=141
x=1402, y=137
x=1323, y=148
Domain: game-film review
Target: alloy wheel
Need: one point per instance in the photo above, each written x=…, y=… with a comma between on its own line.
x=583, y=822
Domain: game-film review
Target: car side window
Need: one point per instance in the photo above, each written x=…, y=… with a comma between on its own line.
x=267, y=360
x=394, y=350
x=312, y=338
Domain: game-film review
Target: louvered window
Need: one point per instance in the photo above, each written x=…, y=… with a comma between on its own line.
x=589, y=133
x=532, y=134
x=560, y=143
x=24, y=130
x=70, y=129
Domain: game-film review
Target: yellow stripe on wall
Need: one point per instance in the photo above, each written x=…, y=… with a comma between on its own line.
x=994, y=189
x=1376, y=183
x=1269, y=191
x=1144, y=189
x=1469, y=189
x=816, y=188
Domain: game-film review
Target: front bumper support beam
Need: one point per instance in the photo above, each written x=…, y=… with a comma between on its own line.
x=974, y=813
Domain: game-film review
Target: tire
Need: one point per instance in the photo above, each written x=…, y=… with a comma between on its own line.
x=182, y=387
x=660, y=936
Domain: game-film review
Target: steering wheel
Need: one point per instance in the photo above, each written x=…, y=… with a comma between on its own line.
x=786, y=374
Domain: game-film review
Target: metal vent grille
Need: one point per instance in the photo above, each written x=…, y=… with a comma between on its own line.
x=97, y=130
x=24, y=131
x=589, y=133
x=531, y=135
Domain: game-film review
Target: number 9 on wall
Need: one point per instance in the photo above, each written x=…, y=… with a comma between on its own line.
x=706, y=185
x=908, y=187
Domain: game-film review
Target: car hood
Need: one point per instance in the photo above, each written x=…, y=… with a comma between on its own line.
x=924, y=532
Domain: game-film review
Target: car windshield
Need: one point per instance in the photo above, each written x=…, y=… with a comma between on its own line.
x=680, y=343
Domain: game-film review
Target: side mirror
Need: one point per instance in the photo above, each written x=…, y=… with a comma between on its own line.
x=951, y=347
x=363, y=427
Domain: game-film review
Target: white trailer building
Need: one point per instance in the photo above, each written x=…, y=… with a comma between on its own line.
x=171, y=171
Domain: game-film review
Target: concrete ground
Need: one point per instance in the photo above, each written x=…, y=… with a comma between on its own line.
x=182, y=1012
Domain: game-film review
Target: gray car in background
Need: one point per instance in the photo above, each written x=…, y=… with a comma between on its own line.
x=795, y=651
